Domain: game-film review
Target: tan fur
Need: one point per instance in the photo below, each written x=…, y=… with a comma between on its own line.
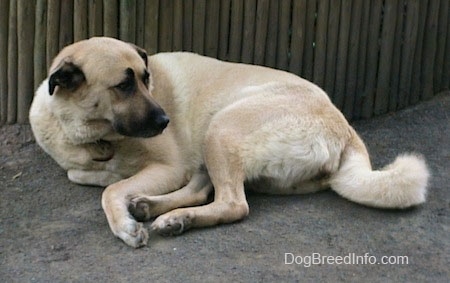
x=229, y=124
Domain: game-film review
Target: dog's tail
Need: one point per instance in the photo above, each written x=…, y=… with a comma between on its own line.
x=401, y=184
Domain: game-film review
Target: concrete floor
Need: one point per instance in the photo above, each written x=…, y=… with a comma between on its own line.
x=54, y=231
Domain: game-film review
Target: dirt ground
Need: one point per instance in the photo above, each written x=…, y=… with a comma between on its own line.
x=54, y=231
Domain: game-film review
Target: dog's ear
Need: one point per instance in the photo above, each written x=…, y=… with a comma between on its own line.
x=141, y=53
x=67, y=76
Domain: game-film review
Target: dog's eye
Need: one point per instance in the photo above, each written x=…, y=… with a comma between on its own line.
x=126, y=86
x=146, y=78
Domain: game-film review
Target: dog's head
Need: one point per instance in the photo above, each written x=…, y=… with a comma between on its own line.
x=106, y=80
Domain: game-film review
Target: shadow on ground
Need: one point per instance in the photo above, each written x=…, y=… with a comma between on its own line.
x=54, y=231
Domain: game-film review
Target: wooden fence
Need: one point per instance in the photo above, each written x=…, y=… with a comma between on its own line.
x=371, y=56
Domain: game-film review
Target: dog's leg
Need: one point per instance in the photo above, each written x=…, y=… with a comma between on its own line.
x=194, y=193
x=154, y=180
x=227, y=175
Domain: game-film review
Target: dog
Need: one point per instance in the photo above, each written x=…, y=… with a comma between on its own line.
x=103, y=115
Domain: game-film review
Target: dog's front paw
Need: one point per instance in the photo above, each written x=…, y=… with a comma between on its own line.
x=172, y=223
x=133, y=234
x=141, y=208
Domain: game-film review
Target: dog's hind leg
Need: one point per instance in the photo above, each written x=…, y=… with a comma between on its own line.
x=227, y=175
x=194, y=193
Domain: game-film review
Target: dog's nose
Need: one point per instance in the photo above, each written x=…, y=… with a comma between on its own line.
x=162, y=121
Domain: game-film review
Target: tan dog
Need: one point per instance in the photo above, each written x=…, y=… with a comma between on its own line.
x=101, y=114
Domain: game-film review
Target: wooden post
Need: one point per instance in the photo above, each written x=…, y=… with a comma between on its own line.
x=416, y=83
x=127, y=17
x=111, y=18
x=310, y=28
x=237, y=13
x=212, y=28
x=53, y=12
x=429, y=49
x=66, y=24
x=385, y=59
x=442, y=40
x=298, y=36
x=4, y=17
x=25, y=85
x=248, y=31
x=178, y=25
x=396, y=57
x=352, y=66
x=342, y=54
x=40, y=41
x=372, y=58
x=272, y=38
x=80, y=20
x=95, y=17
x=332, y=44
x=140, y=23
x=262, y=19
x=12, y=64
x=320, y=48
x=224, y=29
x=362, y=59
x=198, y=35
x=283, y=35
x=408, y=51
x=165, y=35
x=151, y=29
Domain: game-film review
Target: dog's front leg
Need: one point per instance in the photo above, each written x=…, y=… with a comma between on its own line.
x=155, y=179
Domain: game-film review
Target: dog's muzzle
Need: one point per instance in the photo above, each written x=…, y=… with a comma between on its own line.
x=150, y=125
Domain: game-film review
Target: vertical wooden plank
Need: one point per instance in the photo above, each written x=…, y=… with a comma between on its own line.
x=95, y=19
x=298, y=36
x=262, y=17
x=272, y=35
x=408, y=51
x=198, y=35
x=111, y=18
x=140, y=23
x=362, y=60
x=53, y=13
x=442, y=40
x=178, y=25
x=342, y=53
x=320, y=48
x=25, y=86
x=4, y=17
x=248, y=44
x=308, y=56
x=385, y=60
x=352, y=65
x=12, y=64
x=237, y=13
x=429, y=49
x=80, y=20
x=127, y=26
x=445, y=81
x=212, y=28
x=283, y=34
x=66, y=23
x=396, y=57
x=416, y=84
x=372, y=59
x=188, y=7
x=152, y=26
x=332, y=44
x=224, y=28
x=165, y=25
x=40, y=40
